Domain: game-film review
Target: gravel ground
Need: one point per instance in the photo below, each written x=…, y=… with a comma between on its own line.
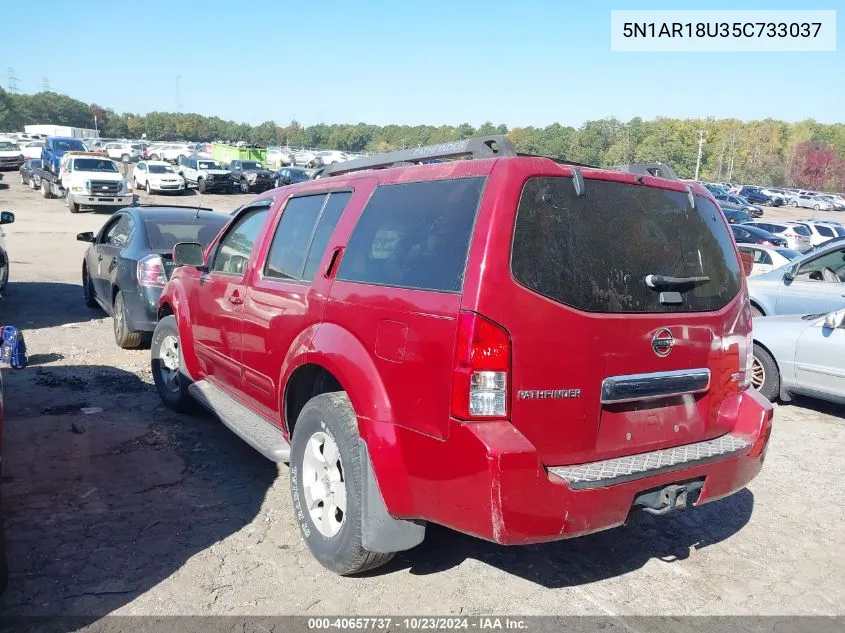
x=137, y=511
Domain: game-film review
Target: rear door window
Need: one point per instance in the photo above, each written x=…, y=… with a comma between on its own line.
x=594, y=252
x=414, y=235
x=800, y=229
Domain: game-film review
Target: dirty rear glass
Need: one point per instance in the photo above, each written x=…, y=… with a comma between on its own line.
x=594, y=252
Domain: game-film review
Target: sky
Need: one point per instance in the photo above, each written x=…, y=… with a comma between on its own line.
x=525, y=62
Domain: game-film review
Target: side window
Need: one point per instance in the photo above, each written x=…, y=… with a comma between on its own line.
x=762, y=257
x=110, y=228
x=834, y=262
x=414, y=235
x=825, y=231
x=332, y=211
x=235, y=248
x=118, y=235
x=286, y=258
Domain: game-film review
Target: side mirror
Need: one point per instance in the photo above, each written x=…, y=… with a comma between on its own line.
x=6, y=217
x=88, y=236
x=834, y=320
x=791, y=273
x=189, y=254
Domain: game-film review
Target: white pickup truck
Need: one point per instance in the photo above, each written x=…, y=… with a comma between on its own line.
x=87, y=180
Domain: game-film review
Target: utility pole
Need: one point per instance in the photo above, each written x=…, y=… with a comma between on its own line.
x=45, y=84
x=13, y=82
x=95, y=125
x=733, y=153
x=700, y=147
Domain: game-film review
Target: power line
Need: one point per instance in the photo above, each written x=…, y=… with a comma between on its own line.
x=45, y=84
x=13, y=81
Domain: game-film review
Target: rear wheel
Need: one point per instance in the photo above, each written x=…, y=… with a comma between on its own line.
x=756, y=312
x=794, y=203
x=816, y=207
x=326, y=481
x=23, y=181
x=765, y=376
x=32, y=184
x=124, y=158
x=168, y=367
x=123, y=336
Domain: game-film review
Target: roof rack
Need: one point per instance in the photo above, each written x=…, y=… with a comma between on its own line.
x=656, y=169
x=560, y=161
x=482, y=147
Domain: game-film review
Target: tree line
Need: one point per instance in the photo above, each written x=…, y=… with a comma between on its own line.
x=767, y=152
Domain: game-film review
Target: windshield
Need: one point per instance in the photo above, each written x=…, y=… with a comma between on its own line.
x=788, y=253
x=298, y=175
x=8, y=146
x=250, y=164
x=164, y=235
x=161, y=169
x=94, y=164
x=70, y=145
x=594, y=252
x=209, y=164
x=801, y=229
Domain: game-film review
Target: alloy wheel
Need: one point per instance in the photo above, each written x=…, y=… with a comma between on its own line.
x=324, y=485
x=169, y=365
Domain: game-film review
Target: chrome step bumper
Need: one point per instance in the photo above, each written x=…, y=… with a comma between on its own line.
x=630, y=467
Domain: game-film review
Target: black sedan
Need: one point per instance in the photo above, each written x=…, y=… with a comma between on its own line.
x=290, y=175
x=130, y=260
x=27, y=172
x=744, y=234
x=735, y=216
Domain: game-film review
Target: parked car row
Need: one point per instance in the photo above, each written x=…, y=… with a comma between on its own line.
x=775, y=197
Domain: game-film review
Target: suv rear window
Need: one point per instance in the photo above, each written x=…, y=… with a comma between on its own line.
x=594, y=252
x=414, y=235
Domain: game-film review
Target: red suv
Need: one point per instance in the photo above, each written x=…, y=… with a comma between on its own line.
x=515, y=347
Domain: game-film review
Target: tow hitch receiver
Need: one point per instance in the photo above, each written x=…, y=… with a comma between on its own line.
x=668, y=498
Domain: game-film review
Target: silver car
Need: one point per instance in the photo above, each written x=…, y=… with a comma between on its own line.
x=813, y=282
x=809, y=201
x=800, y=354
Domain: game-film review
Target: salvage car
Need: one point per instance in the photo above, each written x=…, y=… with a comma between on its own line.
x=800, y=354
x=394, y=333
x=796, y=235
x=766, y=258
x=6, y=217
x=205, y=174
x=250, y=176
x=290, y=175
x=129, y=261
x=28, y=173
x=157, y=175
x=814, y=282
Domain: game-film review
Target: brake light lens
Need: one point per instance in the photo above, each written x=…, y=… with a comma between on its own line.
x=482, y=366
x=151, y=272
x=742, y=336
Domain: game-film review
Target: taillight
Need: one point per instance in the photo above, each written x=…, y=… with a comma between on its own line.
x=151, y=272
x=482, y=364
x=742, y=336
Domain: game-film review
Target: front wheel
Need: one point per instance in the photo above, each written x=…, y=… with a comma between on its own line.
x=149, y=189
x=168, y=367
x=45, y=190
x=88, y=289
x=71, y=205
x=4, y=271
x=124, y=158
x=816, y=207
x=201, y=185
x=23, y=181
x=794, y=204
x=765, y=376
x=244, y=186
x=326, y=479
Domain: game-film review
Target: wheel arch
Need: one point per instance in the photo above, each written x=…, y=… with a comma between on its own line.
x=784, y=392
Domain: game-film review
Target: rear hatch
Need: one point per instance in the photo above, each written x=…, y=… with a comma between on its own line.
x=624, y=280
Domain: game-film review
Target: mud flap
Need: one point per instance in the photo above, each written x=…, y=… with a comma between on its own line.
x=380, y=532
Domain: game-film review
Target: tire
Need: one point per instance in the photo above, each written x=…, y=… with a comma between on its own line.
x=149, y=189
x=328, y=423
x=201, y=185
x=154, y=157
x=71, y=205
x=123, y=336
x=88, y=289
x=756, y=312
x=4, y=271
x=124, y=158
x=45, y=190
x=816, y=207
x=794, y=204
x=243, y=185
x=32, y=184
x=765, y=374
x=172, y=384
x=23, y=182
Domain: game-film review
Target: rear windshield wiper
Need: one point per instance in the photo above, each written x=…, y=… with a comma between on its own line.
x=660, y=282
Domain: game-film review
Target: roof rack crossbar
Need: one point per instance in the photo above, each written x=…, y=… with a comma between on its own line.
x=482, y=147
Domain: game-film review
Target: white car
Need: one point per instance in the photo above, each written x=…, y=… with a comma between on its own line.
x=767, y=258
x=821, y=232
x=11, y=156
x=797, y=235
x=157, y=175
x=328, y=157
x=124, y=152
x=92, y=180
x=32, y=149
x=302, y=157
x=170, y=153
x=810, y=201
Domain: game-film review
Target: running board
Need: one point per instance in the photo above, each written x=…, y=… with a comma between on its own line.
x=252, y=428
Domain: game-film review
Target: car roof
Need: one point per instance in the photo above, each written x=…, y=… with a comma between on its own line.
x=157, y=162
x=167, y=214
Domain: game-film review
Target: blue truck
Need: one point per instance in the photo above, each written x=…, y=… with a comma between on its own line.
x=57, y=146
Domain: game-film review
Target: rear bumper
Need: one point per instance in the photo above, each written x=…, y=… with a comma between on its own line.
x=487, y=479
x=142, y=306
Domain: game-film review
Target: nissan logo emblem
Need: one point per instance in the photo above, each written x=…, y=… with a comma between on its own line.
x=662, y=342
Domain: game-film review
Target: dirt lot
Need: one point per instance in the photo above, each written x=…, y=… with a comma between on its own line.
x=136, y=510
